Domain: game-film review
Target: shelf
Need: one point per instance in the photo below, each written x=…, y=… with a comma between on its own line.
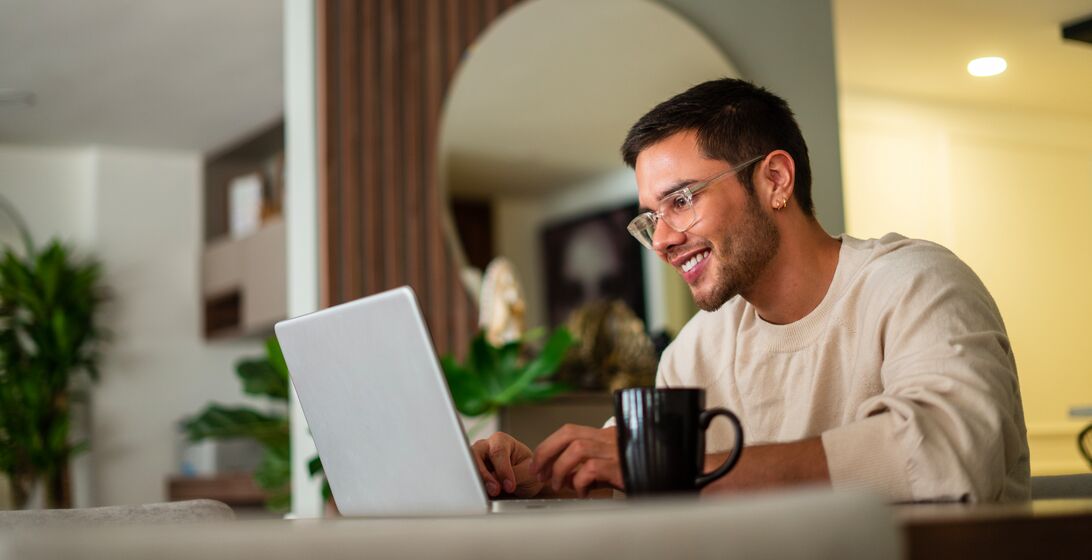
x=233, y=489
x=244, y=283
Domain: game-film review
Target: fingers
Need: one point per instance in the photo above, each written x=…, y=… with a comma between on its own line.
x=500, y=455
x=480, y=450
x=593, y=474
x=550, y=448
x=578, y=452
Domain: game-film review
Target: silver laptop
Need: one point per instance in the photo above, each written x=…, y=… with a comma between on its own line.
x=381, y=414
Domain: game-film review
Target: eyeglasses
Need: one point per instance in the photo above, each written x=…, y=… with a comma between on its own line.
x=677, y=209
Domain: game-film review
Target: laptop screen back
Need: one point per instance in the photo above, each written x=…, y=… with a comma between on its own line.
x=379, y=409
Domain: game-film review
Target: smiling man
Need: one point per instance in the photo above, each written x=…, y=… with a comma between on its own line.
x=879, y=364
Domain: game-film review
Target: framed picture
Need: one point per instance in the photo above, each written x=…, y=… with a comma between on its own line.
x=592, y=258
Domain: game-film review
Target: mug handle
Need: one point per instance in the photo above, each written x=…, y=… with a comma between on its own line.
x=706, y=418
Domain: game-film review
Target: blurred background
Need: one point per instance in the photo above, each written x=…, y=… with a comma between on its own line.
x=231, y=164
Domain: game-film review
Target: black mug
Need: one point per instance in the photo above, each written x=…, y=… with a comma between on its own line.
x=661, y=440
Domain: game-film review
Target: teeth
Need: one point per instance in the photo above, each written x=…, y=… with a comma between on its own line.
x=690, y=264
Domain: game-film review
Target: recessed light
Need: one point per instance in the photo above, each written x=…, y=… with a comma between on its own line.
x=16, y=97
x=987, y=66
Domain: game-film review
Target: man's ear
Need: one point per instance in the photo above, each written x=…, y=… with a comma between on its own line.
x=778, y=172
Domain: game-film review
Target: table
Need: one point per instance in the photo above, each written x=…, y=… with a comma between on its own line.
x=1038, y=529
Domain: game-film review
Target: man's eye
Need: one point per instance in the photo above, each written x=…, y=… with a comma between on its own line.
x=680, y=202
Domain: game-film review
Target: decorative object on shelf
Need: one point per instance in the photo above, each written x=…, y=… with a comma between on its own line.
x=246, y=200
x=505, y=375
x=263, y=377
x=592, y=258
x=502, y=305
x=273, y=196
x=49, y=354
x=613, y=351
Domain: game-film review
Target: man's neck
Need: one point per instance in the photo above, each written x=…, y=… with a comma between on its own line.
x=796, y=280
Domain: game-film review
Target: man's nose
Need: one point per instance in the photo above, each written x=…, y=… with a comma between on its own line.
x=664, y=238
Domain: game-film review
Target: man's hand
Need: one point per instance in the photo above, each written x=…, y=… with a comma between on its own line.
x=504, y=464
x=579, y=457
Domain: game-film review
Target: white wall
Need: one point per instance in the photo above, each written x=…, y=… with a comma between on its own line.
x=51, y=188
x=1009, y=192
x=159, y=368
x=139, y=213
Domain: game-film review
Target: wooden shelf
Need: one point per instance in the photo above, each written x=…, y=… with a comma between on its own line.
x=244, y=282
x=233, y=489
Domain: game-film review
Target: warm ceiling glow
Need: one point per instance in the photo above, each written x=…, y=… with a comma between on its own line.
x=987, y=66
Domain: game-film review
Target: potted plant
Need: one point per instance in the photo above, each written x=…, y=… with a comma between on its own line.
x=267, y=377
x=49, y=343
x=492, y=376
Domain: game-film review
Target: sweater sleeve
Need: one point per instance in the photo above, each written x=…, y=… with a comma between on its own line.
x=948, y=424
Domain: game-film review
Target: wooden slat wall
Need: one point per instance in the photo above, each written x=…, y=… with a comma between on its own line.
x=384, y=70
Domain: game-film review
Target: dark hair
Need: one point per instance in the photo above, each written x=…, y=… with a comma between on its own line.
x=735, y=120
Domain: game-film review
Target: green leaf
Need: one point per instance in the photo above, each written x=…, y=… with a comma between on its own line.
x=220, y=422
x=276, y=358
x=544, y=365
x=60, y=332
x=274, y=475
x=482, y=361
x=314, y=466
x=467, y=390
x=261, y=378
x=493, y=377
x=58, y=436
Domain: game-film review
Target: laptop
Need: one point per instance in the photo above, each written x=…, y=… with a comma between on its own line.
x=381, y=414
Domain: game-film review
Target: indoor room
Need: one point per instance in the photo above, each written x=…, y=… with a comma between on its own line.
x=210, y=213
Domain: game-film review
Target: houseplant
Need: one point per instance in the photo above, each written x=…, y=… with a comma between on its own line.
x=49, y=343
x=267, y=377
x=492, y=377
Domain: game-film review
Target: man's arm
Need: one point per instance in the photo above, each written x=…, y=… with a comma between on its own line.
x=772, y=465
x=581, y=458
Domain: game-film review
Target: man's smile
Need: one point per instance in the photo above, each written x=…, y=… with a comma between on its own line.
x=690, y=265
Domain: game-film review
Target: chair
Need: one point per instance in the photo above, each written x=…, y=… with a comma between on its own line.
x=1084, y=443
x=1061, y=487
x=191, y=511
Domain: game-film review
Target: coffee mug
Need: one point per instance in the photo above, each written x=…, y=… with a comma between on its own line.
x=661, y=440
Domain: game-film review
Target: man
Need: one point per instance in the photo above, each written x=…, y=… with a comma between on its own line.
x=879, y=364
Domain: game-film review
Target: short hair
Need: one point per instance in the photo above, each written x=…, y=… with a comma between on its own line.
x=735, y=120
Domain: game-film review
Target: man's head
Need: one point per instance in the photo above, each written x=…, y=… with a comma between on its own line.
x=712, y=131
x=734, y=120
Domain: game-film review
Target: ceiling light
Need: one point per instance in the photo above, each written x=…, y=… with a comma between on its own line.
x=987, y=66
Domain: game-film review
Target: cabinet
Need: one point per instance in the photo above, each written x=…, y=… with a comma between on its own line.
x=244, y=282
x=244, y=279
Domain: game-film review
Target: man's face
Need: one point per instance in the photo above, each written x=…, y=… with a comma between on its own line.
x=733, y=237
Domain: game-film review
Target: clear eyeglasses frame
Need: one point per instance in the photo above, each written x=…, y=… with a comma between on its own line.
x=677, y=209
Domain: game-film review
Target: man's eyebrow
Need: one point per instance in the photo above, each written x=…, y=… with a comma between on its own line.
x=676, y=188
x=668, y=192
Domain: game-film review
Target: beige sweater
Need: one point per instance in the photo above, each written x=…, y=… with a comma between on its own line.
x=904, y=369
